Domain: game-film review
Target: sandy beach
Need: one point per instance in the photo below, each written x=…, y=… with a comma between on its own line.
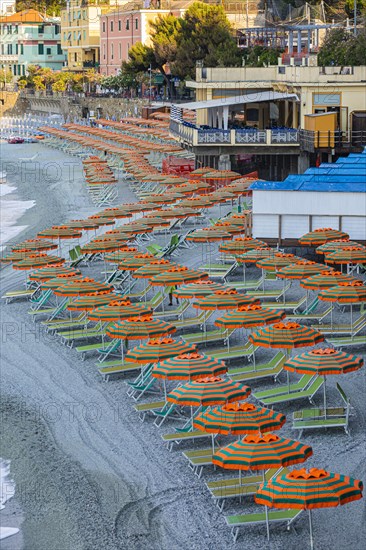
x=89, y=474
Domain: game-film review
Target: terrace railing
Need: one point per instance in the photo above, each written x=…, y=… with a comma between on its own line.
x=312, y=140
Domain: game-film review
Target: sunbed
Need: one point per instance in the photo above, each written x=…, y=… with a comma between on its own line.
x=170, y=410
x=144, y=408
x=198, y=459
x=266, y=370
x=348, y=341
x=302, y=384
x=178, y=437
x=307, y=393
x=274, y=516
x=15, y=294
x=119, y=368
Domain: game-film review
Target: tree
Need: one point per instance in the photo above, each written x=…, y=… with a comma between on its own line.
x=341, y=47
x=44, y=6
x=360, y=7
x=260, y=56
x=38, y=83
x=6, y=77
x=22, y=83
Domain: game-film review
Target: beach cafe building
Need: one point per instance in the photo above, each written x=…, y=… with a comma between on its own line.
x=285, y=116
x=332, y=195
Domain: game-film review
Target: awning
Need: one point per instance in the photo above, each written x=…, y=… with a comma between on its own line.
x=256, y=97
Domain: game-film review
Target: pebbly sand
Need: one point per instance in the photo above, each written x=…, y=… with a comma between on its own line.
x=89, y=474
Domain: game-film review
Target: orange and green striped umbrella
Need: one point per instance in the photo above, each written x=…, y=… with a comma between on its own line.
x=88, y=303
x=56, y=282
x=333, y=246
x=116, y=310
x=347, y=255
x=232, y=228
x=117, y=212
x=209, y=234
x=177, y=275
x=300, y=270
x=59, y=232
x=52, y=272
x=277, y=261
x=256, y=254
x=321, y=236
x=34, y=261
x=241, y=245
x=189, y=366
x=151, y=269
x=172, y=180
x=224, y=299
x=345, y=293
x=158, y=349
x=177, y=212
x=85, y=225
x=165, y=198
x=221, y=196
x=193, y=187
x=200, y=171
x=83, y=287
x=16, y=256
x=239, y=418
x=134, y=262
x=198, y=289
x=286, y=335
x=250, y=316
x=102, y=246
x=125, y=252
x=221, y=175
x=325, y=279
x=306, y=490
x=138, y=328
x=195, y=202
x=156, y=222
x=211, y=390
x=34, y=245
x=100, y=220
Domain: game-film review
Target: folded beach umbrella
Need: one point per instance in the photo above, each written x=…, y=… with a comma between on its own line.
x=224, y=299
x=286, y=336
x=59, y=232
x=34, y=261
x=34, y=245
x=118, y=309
x=250, y=316
x=261, y=452
x=347, y=255
x=325, y=279
x=177, y=275
x=189, y=366
x=211, y=390
x=301, y=270
x=158, y=349
x=138, y=328
x=309, y=489
x=151, y=269
x=324, y=361
x=51, y=272
x=83, y=287
x=240, y=245
x=198, y=289
x=321, y=236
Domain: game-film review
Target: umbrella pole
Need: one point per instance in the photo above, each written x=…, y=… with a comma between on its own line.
x=213, y=443
x=351, y=320
x=266, y=507
x=331, y=319
x=239, y=477
x=311, y=531
x=325, y=397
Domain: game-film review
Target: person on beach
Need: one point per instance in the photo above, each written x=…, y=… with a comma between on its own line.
x=170, y=293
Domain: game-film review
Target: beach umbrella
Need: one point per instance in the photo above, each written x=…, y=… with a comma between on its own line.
x=118, y=309
x=250, y=316
x=88, y=303
x=221, y=175
x=16, y=256
x=151, y=269
x=200, y=171
x=325, y=279
x=177, y=212
x=286, y=336
x=307, y=490
x=59, y=232
x=206, y=391
x=158, y=349
x=261, y=452
x=352, y=292
x=121, y=254
x=240, y=245
x=195, y=202
x=301, y=270
x=34, y=245
x=102, y=246
x=51, y=272
x=278, y=260
x=134, y=262
x=82, y=287
x=117, y=212
x=85, y=225
x=101, y=220
x=232, y=228
x=198, y=289
x=193, y=187
x=208, y=234
x=177, y=275
x=333, y=246
x=55, y=282
x=324, y=361
x=138, y=328
x=165, y=198
x=321, y=236
x=189, y=366
x=172, y=180
x=34, y=261
x=156, y=222
x=224, y=299
x=347, y=255
x=256, y=254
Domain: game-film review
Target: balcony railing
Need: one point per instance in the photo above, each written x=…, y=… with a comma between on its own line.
x=90, y=64
x=191, y=135
x=311, y=141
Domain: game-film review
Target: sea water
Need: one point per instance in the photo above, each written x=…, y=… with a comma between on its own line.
x=11, y=210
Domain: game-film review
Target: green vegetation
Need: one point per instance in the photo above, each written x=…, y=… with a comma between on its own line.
x=42, y=79
x=6, y=77
x=343, y=48
x=51, y=7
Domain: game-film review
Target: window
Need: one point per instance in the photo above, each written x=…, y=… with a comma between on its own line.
x=40, y=49
x=41, y=29
x=119, y=25
x=75, y=57
x=14, y=70
x=48, y=51
x=59, y=49
x=103, y=26
x=2, y=49
x=103, y=51
x=84, y=34
x=111, y=26
x=18, y=70
x=10, y=49
x=127, y=25
x=57, y=29
x=136, y=24
x=16, y=49
x=112, y=51
x=120, y=50
x=21, y=49
x=64, y=36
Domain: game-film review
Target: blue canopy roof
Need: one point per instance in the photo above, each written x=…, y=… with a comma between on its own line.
x=348, y=175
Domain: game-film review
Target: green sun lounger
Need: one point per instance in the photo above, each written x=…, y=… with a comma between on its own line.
x=348, y=341
x=302, y=384
x=276, y=516
x=233, y=352
x=15, y=294
x=198, y=459
x=271, y=369
x=178, y=437
x=307, y=393
x=144, y=408
x=117, y=369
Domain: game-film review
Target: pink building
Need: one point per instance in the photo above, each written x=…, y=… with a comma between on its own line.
x=120, y=30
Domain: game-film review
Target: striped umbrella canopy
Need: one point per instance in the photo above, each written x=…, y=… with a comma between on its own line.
x=198, y=289
x=232, y=228
x=193, y=187
x=172, y=180
x=286, y=335
x=333, y=246
x=34, y=245
x=325, y=279
x=142, y=206
x=210, y=390
x=240, y=186
x=136, y=261
x=221, y=196
x=59, y=232
x=85, y=225
x=117, y=310
x=301, y=270
x=209, y=234
x=221, y=175
x=82, y=287
x=16, y=256
x=345, y=293
x=178, y=212
x=240, y=245
x=34, y=261
x=306, y=490
x=52, y=272
x=137, y=328
x=195, y=202
x=117, y=212
x=256, y=254
x=151, y=269
x=224, y=299
x=250, y=316
x=125, y=252
x=88, y=303
x=177, y=275
x=158, y=349
x=165, y=198
x=347, y=255
x=239, y=418
x=156, y=222
x=112, y=235
x=200, y=171
x=240, y=219
x=189, y=366
x=321, y=236
x=101, y=220
x=153, y=177
x=102, y=246
x=277, y=261
x=56, y=282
